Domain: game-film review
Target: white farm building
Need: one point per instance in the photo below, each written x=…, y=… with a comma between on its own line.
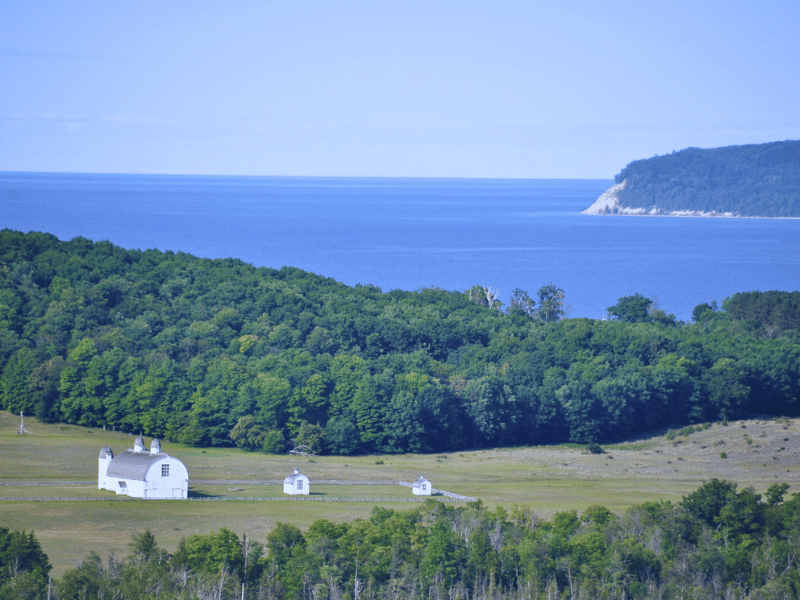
x=421, y=487
x=142, y=474
x=296, y=483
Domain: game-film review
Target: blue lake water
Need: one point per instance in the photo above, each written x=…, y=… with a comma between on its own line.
x=413, y=233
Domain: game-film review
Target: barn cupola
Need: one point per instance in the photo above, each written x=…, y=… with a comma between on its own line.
x=138, y=444
x=155, y=447
x=103, y=461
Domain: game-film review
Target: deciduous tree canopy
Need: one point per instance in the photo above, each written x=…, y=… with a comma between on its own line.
x=719, y=542
x=217, y=352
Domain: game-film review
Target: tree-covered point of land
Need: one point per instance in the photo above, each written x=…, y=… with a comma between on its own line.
x=752, y=180
x=218, y=352
x=718, y=542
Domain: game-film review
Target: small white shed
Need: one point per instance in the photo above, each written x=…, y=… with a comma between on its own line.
x=296, y=483
x=421, y=487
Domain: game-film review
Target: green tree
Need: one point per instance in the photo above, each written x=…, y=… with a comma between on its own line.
x=443, y=555
x=631, y=309
x=311, y=435
x=211, y=553
x=22, y=563
x=16, y=394
x=704, y=312
x=707, y=501
x=282, y=541
x=274, y=442
x=521, y=304
x=81, y=386
x=341, y=436
x=726, y=387
x=598, y=515
x=86, y=581
x=775, y=493
x=143, y=545
x=492, y=410
x=482, y=563
x=44, y=382
x=551, y=303
x=248, y=433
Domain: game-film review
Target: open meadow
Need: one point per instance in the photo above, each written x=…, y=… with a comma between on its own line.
x=48, y=481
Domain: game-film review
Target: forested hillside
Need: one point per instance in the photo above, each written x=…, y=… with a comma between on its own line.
x=753, y=180
x=217, y=352
x=718, y=542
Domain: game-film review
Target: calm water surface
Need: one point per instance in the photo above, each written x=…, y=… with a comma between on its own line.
x=412, y=233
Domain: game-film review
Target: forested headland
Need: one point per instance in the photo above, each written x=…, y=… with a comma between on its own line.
x=218, y=352
x=717, y=542
x=755, y=180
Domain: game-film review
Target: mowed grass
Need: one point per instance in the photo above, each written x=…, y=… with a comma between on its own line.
x=60, y=461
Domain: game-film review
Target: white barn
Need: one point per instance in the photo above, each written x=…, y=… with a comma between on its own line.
x=296, y=483
x=142, y=474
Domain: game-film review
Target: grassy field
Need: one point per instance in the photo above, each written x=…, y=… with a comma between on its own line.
x=60, y=461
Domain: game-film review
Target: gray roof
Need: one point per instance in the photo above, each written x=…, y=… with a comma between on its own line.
x=133, y=465
x=419, y=482
x=293, y=477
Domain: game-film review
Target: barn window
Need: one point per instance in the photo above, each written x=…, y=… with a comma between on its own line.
x=123, y=484
x=299, y=484
x=165, y=470
x=424, y=486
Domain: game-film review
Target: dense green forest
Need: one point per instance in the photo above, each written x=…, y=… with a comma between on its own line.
x=753, y=180
x=718, y=542
x=218, y=352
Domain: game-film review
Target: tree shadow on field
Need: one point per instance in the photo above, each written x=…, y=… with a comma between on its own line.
x=199, y=494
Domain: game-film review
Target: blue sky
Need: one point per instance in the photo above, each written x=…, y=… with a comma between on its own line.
x=524, y=89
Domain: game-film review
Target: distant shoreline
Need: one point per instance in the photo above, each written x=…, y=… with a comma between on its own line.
x=607, y=205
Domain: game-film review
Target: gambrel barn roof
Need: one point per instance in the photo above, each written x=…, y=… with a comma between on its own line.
x=133, y=465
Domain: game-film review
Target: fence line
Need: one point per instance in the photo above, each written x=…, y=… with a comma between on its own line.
x=456, y=496
x=211, y=499
x=448, y=495
x=28, y=483
x=442, y=492
x=280, y=482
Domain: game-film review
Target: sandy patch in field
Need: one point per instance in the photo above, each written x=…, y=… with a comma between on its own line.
x=756, y=452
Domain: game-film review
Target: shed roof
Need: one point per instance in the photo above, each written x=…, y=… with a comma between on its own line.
x=132, y=465
x=418, y=483
x=294, y=477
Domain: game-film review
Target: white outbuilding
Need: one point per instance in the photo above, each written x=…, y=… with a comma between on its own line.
x=296, y=483
x=421, y=487
x=142, y=474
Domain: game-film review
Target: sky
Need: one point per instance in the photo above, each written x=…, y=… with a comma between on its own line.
x=496, y=89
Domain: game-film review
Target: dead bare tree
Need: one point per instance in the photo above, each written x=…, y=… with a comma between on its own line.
x=484, y=295
x=302, y=450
